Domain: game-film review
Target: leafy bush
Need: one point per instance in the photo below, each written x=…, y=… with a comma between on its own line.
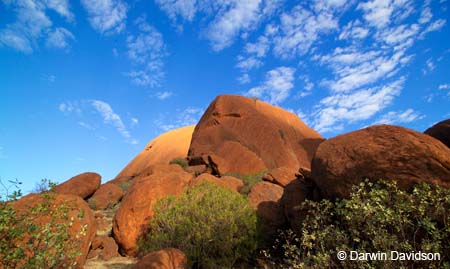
x=248, y=179
x=212, y=225
x=180, y=161
x=377, y=217
x=27, y=244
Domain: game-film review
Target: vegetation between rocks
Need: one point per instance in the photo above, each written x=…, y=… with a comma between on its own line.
x=25, y=243
x=248, y=179
x=180, y=161
x=212, y=225
x=379, y=217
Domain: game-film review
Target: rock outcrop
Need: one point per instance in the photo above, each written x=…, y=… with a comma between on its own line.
x=379, y=152
x=135, y=212
x=246, y=136
x=265, y=199
x=169, y=258
x=107, y=196
x=83, y=228
x=440, y=131
x=166, y=147
x=83, y=185
x=229, y=182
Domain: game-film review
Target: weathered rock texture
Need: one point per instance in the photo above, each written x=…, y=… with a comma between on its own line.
x=379, y=152
x=265, y=199
x=83, y=185
x=107, y=196
x=166, y=147
x=169, y=258
x=441, y=131
x=243, y=135
x=135, y=212
x=228, y=182
x=79, y=239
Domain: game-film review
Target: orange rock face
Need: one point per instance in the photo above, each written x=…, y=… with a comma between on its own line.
x=166, y=147
x=107, y=196
x=76, y=206
x=135, y=211
x=281, y=176
x=265, y=199
x=232, y=183
x=83, y=185
x=239, y=134
x=441, y=131
x=169, y=258
x=104, y=247
x=379, y=152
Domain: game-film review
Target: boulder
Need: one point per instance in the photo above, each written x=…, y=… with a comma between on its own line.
x=295, y=193
x=163, y=149
x=440, y=131
x=104, y=248
x=246, y=136
x=169, y=258
x=281, y=176
x=106, y=197
x=83, y=185
x=135, y=212
x=265, y=199
x=83, y=228
x=228, y=182
x=379, y=152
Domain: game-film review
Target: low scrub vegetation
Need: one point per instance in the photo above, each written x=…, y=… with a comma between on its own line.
x=24, y=243
x=180, y=161
x=379, y=217
x=212, y=225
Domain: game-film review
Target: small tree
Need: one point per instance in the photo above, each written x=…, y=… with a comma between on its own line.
x=212, y=225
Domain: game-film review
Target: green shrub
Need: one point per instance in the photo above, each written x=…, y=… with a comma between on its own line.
x=180, y=161
x=124, y=185
x=248, y=179
x=212, y=225
x=27, y=244
x=377, y=217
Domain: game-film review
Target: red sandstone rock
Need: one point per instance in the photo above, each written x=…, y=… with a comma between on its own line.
x=169, y=258
x=228, y=182
x=83, y=185
x=441, y=131
x=107, y=196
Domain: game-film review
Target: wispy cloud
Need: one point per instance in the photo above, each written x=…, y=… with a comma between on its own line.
x=337, y=110
x=147, y=51
x=59, y=38
x=106, y=16
x=276, y=86
x=164, y=95
x=181, y=118
x=68, y=107
x=110, y=117
x=395, y=117
x=33, y=23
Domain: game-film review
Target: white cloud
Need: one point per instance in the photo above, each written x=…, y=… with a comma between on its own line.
x=184, y=8
x=434, y=26
x=429, y=66
x=184, y=117
x=85, y=125
x=242, y=16
x=110, y=117
x=276, y=87
x=300, y=29
x=164, y=95
x=394, y=117
x=32, y=22
x=336, y=110
x=106, y=16
x=354, y=30
x=69, y=107
x=444, y=87
x=59, y=38
x=244, y=79
x=147, y=51
x=134, y=122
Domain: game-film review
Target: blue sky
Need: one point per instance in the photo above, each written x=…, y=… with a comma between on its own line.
x=86, y=84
